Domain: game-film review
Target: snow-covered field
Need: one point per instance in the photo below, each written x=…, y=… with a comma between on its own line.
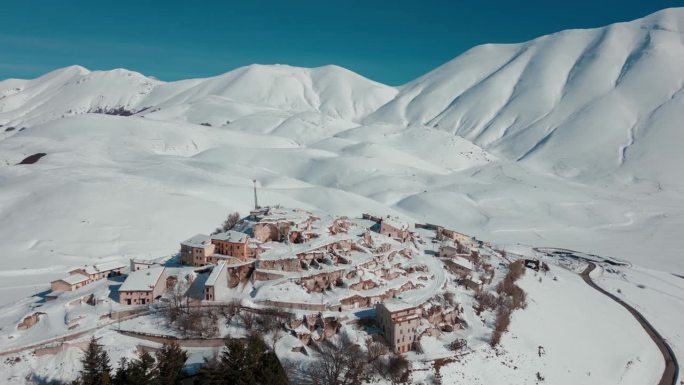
x=570, y=140
x=609, y=347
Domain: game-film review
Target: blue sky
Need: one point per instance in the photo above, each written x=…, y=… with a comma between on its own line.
x=388, y=41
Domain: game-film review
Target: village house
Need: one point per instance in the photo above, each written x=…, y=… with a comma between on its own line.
x=394, y=228
x=194, y=251
x=82, y=276
x=231, y=243
x=462, y=265
x=143, y=287
x=399, y=322
x=448, y=251
x=70, y=283
x=141, y=264
x=461, y=238
x=99, y=271
x=217, y=282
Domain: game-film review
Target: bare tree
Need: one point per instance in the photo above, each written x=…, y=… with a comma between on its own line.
x=229, y=224
x=177, y=301
x=485, y=300
x=230, y=310
x=503, y=320
x=269, y=322
x=374, y=350
x=340, y=363
x=398, y=369
x=248, y=319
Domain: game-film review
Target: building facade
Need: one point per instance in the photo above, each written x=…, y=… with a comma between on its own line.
x=399, y=322
x=217, y=282
x=70, y=283
x=394, y=228
x=100, y=271
x=231, y=243
x=143, y=287
x=194, y=251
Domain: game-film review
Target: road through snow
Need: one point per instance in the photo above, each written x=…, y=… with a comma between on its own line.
x=671, y=372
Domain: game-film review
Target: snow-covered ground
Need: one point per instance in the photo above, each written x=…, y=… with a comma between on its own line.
x=571, y=140
x=657, y=295
x=585, y=338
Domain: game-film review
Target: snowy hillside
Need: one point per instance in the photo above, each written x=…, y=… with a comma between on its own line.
x=578, y=103
x=570, y=140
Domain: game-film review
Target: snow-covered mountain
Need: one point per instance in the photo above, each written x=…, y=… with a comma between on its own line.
x=569, y=140
x=582, y=103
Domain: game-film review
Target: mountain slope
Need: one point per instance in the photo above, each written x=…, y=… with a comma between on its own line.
x=579, y=103
x=329, y=90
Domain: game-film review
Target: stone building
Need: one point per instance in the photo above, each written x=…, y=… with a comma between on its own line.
x=216, y=283
x=231, y=243
x=100, y=271
x=143, y=287
x=394, y=228
x=141, y=264
x=70, y=283
x=399, y=322
x=194, y=251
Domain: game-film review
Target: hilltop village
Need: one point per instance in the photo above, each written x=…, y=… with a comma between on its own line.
x=293, y=259
x=416, y=288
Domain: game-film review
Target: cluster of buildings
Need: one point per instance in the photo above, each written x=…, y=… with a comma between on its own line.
x=296, y=259
x=82, y=276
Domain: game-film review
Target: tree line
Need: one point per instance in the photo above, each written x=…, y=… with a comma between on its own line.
x=247, y=361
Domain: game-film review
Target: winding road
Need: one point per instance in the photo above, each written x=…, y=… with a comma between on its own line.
x=671, y=372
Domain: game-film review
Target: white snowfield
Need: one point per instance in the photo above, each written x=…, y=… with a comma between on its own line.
x=570, y=140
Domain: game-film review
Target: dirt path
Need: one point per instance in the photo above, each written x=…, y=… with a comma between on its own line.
x=671, y=366
x=68, y=337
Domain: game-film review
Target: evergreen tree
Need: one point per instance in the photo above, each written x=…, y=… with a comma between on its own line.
x=270, y=370
x=96, y=369
x=141, y=370
x=244, y=362
x=233, y=364
x=170, y=361
x=121, y=373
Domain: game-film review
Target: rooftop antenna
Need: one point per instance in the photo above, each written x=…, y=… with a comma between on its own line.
x=256, y=203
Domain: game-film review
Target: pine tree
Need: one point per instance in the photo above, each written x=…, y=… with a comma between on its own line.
x=141, y=370
x=170, y=361
x=96, y=369
x=271, y=371
x=244, y=362
x=233, y=363
x=121, y=374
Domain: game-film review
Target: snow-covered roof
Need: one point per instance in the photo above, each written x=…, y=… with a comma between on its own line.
x=394, y=305
x=276, y=250
x=215, y=272
x=144, y=262
x=396, y=223
x=199, y=240
x=102, y=267
x=296, y=216
x=142, y=280
x=463, y=262
x=231, y=236
x=74, y=279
